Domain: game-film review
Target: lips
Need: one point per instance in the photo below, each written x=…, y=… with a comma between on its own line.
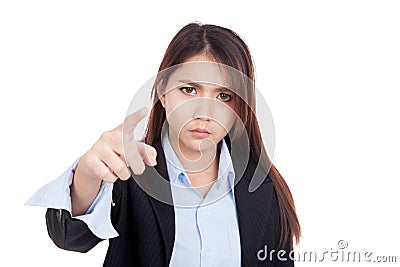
x=200, y=133
x=200, y=130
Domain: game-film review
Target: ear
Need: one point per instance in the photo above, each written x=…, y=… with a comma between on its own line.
x=160, y=95
x=162, y=100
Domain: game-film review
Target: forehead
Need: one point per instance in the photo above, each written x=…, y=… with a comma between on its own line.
x=200, y=72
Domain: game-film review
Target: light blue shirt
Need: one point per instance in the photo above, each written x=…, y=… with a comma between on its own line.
x=207, y=232
x=206, y=229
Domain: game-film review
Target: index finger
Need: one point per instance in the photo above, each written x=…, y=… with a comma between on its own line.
x=132, y=120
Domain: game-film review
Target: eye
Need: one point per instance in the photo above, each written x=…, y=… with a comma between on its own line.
x=188, y=90
x=225, y=97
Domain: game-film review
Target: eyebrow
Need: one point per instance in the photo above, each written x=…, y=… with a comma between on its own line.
x=195, y=84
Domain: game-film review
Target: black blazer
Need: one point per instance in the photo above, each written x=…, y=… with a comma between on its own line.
x=146, y=226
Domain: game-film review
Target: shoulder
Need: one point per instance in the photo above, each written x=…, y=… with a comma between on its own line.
x=254, y=175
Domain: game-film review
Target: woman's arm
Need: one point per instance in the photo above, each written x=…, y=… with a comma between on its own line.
x=103, y=164
x=68, y=233
x=105, y=161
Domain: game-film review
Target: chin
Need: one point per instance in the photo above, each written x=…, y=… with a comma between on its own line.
x=201, y=144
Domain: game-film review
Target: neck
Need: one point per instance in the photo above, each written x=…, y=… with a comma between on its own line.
x=201, y=166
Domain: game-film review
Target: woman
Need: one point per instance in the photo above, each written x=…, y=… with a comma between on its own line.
x=205, y=226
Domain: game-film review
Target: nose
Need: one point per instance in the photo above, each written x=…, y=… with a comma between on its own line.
x=203, y=108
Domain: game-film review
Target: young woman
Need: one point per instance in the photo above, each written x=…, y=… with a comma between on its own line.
x=193, y=132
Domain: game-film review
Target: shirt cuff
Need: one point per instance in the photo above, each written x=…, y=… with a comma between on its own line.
x=56, y=195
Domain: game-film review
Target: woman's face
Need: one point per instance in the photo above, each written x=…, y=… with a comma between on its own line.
x=199, y=108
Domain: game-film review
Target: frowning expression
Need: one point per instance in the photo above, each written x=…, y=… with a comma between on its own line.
x=198, y=105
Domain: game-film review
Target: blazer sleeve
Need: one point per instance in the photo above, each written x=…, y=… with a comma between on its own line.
x=74, y=234
x=68, y=233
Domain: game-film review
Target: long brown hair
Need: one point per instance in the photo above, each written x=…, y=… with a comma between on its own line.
x=226, y=47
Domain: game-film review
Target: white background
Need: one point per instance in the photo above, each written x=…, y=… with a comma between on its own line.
x=329, y=70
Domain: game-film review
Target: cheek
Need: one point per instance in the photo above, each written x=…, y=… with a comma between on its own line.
x=178, y=114
x=225, y=118
x=224, y=127
x=171, y=103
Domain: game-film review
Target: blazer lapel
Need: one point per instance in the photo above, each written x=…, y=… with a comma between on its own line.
x=156, y=182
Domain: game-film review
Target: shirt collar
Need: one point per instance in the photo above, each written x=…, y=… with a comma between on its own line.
x=174, y=166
